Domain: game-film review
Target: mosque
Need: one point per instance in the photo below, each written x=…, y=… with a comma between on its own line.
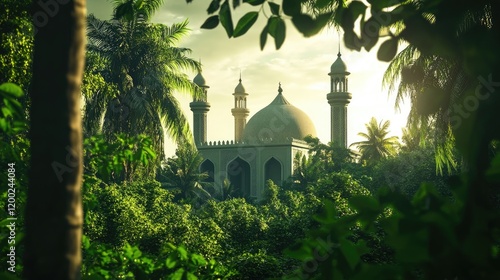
x=265, y=147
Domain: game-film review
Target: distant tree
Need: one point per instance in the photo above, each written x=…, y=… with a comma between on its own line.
x=306, y=170
x=142, y=60
x=183, y=173
x=331, y=156
x=16, y=42
x=377, y=145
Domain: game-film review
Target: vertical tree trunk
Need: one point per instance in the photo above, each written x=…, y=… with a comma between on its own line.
x=54, y=208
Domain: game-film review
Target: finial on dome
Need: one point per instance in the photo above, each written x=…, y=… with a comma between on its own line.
x=239, y=88
x=338, y=55
x=280, y=90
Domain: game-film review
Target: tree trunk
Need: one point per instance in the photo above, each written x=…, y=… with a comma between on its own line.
x=54, y=208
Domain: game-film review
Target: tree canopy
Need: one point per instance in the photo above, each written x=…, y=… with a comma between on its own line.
x=141, y=60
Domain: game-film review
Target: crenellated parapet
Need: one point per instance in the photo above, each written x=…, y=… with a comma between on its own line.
x=265, y=141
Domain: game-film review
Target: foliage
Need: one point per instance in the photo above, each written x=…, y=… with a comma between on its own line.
x=377, y=145
x=147, y=71
x=16, y=42
x=119, y=159
x=12, y=118
x=144, y=214
x=407, y=171
x=306, y=24
x=425, y=234
x=97, y=93
x=14, y=156
x=306, y=170
x=182, y=172
x=332, y=157
x=102, y=262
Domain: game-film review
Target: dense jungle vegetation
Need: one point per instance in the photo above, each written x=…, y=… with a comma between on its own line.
x=97, y=199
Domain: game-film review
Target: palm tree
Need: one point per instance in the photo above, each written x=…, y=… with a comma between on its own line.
x=306, y=171
x=147, y=68
x=376, y=146
x=434, y=86
x=182, y=172
x=331, y=157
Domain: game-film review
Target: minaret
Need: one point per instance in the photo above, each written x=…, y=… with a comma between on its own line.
x=200, y=108
x=240, y=111
x=338, y=98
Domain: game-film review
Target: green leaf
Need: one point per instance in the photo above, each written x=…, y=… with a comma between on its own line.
x=245, y=23
x=351, y=40
x=236, y=3
x=280, y=34
x=213, y=7
x=6, y=112
x=226, y=19
x=198, y=260
x=191, y=276
x=211, y=22
x=254, y=2
x=171, y=262
x=350, y=253
x=85, y=242
x=275, y=8
x=277, y=30
x=291, y=7
x=305, y=24
x=357, y=8
x=11, y=89
x=263, y=37
x=388, y=50
x=182, y=253
x=177, y=275
x=124, y=10
x=370, y=32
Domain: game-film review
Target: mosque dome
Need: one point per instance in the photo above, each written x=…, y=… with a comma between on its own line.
x=200, y=80
x=338, y=67
x=278, y=122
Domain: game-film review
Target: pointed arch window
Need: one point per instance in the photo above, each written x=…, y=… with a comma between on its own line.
x=208, y=166
x=238, y=173
x=273, y=171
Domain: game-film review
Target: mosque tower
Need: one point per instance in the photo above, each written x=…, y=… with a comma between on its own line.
x=338, y=98
x=200, y=108
x=240, y=111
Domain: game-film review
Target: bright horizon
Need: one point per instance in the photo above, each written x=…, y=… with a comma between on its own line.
x=301, y=65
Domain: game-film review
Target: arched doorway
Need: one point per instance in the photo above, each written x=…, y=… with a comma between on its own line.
x=272, y=170
x=238, y=173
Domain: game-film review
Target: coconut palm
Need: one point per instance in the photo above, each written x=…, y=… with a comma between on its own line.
x=182, y=172
x=377, y=145
x=434, y=85
x=437, y=85
x=142, y=60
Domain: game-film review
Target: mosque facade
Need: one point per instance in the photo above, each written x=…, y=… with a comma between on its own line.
x=264, y=147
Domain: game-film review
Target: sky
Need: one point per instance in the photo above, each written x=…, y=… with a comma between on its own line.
x=301, y=65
